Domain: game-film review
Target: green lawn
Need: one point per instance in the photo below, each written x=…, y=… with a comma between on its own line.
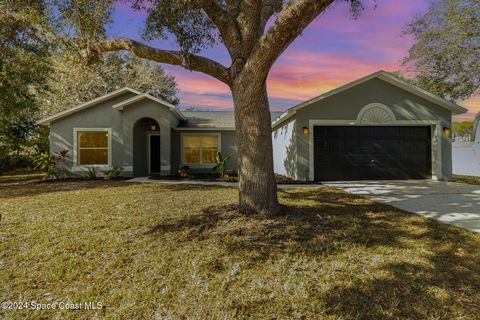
x=178, y=252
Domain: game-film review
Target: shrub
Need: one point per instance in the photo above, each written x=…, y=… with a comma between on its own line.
x=61, y=158
x=231, y=173
x=90, y=173
x=47, y=164
x=50, y=164
x=184, y=171
x=115, y=172
x=9, y=163
x=221, y=164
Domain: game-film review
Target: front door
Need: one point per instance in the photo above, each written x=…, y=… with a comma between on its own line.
x=154, y=153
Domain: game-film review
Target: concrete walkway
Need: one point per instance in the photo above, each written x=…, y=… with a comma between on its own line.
x=453, y=203
x=216, y=183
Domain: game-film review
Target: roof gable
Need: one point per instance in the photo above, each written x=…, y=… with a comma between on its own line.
x=384, y=76
x=122, y=105
x=88, y=104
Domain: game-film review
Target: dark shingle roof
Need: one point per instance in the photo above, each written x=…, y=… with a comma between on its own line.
x=213, y=119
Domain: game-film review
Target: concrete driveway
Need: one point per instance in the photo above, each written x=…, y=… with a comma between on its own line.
x=454, y=203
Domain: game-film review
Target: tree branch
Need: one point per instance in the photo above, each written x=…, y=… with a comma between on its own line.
x=223, y=22
x=269, y=7
x=178, y=58
x=248, y=21
x=290, y=23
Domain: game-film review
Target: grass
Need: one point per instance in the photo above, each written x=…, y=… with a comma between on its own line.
x=466, y=179
x=184, y=252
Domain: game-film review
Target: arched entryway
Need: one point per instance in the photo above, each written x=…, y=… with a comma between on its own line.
x=146, y=148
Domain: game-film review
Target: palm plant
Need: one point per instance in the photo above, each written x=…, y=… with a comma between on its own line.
x=221, y=164
x=46, y=163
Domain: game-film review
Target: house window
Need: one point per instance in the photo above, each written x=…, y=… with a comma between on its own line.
x=200, y=149
x=92, y=147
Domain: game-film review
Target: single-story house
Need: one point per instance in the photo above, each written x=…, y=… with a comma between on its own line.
x=377, y=127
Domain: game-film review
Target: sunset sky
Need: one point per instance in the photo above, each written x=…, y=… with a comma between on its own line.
x=334, y=50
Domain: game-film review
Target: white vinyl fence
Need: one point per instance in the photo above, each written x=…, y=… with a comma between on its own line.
x=466, y=154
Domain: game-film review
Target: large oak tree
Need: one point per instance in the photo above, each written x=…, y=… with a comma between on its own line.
x=255, y=33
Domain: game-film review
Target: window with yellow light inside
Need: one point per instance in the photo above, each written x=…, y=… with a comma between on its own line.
x=199, y=149
x=92, y=147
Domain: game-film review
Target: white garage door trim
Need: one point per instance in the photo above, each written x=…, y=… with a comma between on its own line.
x=436, y=138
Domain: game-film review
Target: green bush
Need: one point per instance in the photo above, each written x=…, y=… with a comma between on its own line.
x=11, y=163
x=46, y=163
x=52, y=165
x=90, y=173
x=115, y=172
x=221, y=164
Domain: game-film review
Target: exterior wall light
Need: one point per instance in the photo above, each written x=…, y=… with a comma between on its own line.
x=447, y=133
x=153, y=127
x=305, y=131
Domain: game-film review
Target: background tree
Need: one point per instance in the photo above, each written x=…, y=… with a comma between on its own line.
x=24, y=66
x=24, y=55
x=113, y=71
x=463, y=129
x=254, y=32
x=446, y=53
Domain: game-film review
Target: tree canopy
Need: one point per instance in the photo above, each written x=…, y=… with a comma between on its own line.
x=24, y=56
x=446, y=52
x=113, y=71
x=245, y=28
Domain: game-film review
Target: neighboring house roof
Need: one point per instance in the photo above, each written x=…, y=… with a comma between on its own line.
x=122, y=105
x=48, y=120
x=212, y=119
x=382, y=75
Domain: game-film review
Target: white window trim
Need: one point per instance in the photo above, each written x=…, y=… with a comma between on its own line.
x=195, y=134
x=79, y=167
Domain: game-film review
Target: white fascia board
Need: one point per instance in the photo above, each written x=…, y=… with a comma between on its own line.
x=48, y=120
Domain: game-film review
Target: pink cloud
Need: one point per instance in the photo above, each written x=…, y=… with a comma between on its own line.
x=473, y=106
x=303, y=75
x=199, y=83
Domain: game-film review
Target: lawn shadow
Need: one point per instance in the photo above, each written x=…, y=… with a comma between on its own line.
x=443, y=281
x=445, y=287
x=29, y=185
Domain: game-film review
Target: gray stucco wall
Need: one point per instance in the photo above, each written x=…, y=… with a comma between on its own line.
x=347, y=104
x=121, y=123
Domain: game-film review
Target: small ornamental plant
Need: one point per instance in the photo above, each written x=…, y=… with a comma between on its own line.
x=52, y=165
x=184, y=171
x=221, y=164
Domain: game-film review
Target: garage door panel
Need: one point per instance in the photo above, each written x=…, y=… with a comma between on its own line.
x=374, y=152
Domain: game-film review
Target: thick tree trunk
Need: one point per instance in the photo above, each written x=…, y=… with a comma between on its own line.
x=257, y=186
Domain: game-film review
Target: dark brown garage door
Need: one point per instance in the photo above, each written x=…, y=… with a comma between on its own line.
x=366, y=153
